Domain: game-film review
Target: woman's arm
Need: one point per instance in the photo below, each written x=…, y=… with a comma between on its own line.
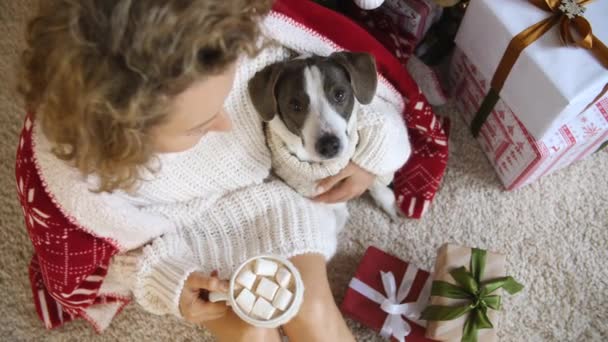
x=160, y=272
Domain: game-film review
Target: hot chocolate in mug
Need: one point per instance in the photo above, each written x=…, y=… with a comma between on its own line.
x=265, y=291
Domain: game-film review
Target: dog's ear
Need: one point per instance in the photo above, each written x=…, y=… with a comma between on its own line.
x=361, y=68
x=262, y=90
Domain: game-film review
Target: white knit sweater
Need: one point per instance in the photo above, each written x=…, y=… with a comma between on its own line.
x=303, y=176
x=214, y=206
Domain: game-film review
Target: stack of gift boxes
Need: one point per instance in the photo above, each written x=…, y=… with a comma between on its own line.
x=551, y=106
x=460, y=301
x=546, y=108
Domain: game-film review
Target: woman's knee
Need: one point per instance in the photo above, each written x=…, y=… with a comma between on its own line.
x=318, y=300
x=255, y=334
x=231, y=328
x=319, y=304
x=248, y=333
x=319, y=318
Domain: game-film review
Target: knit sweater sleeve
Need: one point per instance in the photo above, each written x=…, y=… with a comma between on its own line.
x=155, y=274
x=384, y=145
x=268, y=218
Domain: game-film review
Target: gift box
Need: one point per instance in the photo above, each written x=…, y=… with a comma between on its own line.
x=518, y=158
x=541, y=70
x=388, y=295
x=408, y=20
x=464, y=301
x=413, y=17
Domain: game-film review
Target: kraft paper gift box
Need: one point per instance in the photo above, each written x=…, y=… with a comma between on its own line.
x=551, y=82
x=383, y=284
x=464, y=297
x=518, y=158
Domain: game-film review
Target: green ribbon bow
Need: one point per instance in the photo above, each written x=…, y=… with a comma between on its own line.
x=471, y=288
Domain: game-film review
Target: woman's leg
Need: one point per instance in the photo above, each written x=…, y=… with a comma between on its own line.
x=319, y=318
x=231, y=328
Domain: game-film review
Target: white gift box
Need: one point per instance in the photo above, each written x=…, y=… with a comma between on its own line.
x=518, y=158
x=550, y=84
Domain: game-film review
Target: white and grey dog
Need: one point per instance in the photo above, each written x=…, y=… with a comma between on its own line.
x=310, y=105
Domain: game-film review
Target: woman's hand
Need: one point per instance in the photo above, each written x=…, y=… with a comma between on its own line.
x=194, y=302
x=350, y=183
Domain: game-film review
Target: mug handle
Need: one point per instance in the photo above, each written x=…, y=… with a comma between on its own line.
x=215, y=297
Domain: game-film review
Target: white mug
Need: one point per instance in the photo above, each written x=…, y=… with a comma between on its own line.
x=284, y=317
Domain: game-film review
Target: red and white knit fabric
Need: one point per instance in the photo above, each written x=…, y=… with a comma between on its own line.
x=69, y=263
x=416, y=184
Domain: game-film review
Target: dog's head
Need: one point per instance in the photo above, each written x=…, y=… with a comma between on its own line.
x=314, y=98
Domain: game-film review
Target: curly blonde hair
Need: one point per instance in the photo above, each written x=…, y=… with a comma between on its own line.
x=100, y=73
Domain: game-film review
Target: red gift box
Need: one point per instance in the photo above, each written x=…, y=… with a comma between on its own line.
x=388, y=295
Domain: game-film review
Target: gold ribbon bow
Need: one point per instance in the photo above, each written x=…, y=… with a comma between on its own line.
x=566, y=13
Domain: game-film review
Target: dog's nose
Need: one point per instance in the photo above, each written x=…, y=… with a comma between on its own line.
x=328, y=146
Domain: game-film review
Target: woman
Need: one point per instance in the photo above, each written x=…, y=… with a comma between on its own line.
x=143, y=170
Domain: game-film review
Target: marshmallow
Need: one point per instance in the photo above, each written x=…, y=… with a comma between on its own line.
x=266, y=288
x=247, y=279
x=265, y=267
x=245, y=300
x=283, y=277
x=263, y=309
x=282, y=299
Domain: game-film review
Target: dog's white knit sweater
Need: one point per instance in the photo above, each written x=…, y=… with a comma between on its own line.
x=303, y=176
x=300, y=175
x=214, y=206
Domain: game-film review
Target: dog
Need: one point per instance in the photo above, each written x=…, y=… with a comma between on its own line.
x=309, y=105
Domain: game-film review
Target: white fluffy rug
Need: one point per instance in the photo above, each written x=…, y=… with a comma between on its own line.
x=555, y=233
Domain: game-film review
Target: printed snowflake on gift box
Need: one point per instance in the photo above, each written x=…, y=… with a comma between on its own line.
x=572, y=9
x=591, y=130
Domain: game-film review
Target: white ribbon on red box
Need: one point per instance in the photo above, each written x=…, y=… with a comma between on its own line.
x=394, y=324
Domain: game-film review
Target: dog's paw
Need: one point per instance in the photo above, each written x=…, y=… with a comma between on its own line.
x=393, y=213
x=385, y=199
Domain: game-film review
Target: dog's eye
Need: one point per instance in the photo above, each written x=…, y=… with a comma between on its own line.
x=339, y=95
x=295, y=105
